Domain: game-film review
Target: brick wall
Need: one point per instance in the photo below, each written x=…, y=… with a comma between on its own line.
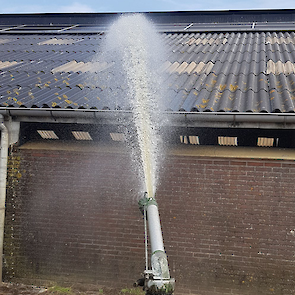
x=227, y=224
x=74, y=216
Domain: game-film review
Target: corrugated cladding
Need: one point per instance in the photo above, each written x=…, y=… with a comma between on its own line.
x=228, y=72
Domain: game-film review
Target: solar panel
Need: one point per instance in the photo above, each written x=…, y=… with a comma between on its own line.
x=88, y=29
x=276, y=26
x=4, y=28
x=36, y=28
x=39, y=28
x=161, y=27
x=229, y=27
x=53, y=29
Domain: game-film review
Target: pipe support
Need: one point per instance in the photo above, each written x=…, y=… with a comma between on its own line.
x=3, y=176
x=158, y=280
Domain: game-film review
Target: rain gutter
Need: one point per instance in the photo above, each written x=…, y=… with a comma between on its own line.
x=3, y=176
x=177, y=119
x=232, y=120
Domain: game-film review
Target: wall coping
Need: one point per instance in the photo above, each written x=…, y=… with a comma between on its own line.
x=176, y=150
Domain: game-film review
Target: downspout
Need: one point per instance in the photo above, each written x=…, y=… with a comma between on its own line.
x=3, y=177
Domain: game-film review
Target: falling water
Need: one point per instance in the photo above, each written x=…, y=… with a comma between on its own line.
x=135, y=52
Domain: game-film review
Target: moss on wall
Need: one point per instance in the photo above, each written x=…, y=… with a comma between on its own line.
x=13, y=264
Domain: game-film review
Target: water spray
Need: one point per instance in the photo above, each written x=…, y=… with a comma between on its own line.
x=134, y=52
x=157, y=278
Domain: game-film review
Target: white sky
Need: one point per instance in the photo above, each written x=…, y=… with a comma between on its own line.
x=42, y=6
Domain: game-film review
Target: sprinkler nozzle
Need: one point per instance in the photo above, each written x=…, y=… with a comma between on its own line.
x=142, y=202
x=145, y=202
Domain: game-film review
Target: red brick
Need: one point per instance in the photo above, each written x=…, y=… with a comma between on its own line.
x=260, y=163
x=273, y=164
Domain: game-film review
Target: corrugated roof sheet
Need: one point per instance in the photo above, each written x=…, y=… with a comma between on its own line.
x=228, y=72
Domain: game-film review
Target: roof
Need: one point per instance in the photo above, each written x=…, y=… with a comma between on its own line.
x=212, y=67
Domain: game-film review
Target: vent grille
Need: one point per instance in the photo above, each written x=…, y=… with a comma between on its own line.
x=47, y=134
x=117, y=136
x=266, y=141
x=227, y=140
x=192, y=139
x=81, y=135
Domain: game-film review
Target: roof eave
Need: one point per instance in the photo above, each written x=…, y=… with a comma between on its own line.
x=174, y=119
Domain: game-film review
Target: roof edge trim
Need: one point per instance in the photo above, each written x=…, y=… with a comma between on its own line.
x=181, y=119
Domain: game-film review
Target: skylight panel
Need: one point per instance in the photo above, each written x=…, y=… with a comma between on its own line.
x=280, y=40
x=73, y=66
x=280, y=67
x=205, y=41
x=7, y=64
x=184, y=67
x=3, y=41
x=60, y=41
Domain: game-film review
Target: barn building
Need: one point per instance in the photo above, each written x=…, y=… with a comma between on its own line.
x=226, y=187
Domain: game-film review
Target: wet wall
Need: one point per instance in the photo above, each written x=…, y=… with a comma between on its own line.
x=73, y=217
x=228, y=224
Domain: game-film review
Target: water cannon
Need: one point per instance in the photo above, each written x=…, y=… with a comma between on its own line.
x=156, y=278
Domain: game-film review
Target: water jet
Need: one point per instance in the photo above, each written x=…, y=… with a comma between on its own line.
x=135, y=53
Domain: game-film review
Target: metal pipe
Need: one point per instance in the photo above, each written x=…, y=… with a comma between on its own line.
x=3, y=176
x=145, y=239
x=155, y=231
x=157, y=280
